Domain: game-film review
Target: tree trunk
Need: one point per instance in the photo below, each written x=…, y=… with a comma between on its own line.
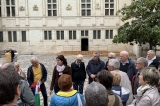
x=150, y=45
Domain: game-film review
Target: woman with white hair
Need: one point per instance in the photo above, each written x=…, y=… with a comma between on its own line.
x=111, y=55
x=78, y=73
x=147, y=93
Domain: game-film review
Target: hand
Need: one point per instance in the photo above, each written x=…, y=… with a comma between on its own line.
x=51, y=91
x=92, y=76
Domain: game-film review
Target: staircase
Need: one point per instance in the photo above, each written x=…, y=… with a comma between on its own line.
x=88, y=53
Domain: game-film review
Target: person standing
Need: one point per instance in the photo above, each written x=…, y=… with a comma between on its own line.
x=94, y=66
x=12, y=54
x=7, y=56
x=78, y=73
x=19, y=70
x=59, y=69
x=38, y=73
x=152, y=60
x=127, y=65
x=111, y=55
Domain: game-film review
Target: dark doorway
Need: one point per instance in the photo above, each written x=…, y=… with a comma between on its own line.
x=84, y=44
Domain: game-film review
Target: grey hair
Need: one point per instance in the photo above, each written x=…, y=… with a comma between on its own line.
x=97, y=53
x=111, y=54
x=151, y=75
x=114, y=63
x=143, y=61
x=34, y=58
x=152, y=51
x=96, y=95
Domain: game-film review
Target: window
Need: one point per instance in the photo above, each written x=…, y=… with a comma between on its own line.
x=109, y=7
x=85, y=7
x=72, y=34
x=52, y=7
x=0, y=9
x=109, y=34
x=1, y=36
x=84, y=33
x=60, y=35
x=10, y=8
x=96, y=34
x=23, y=36
x=12, y=36
x=47, y=35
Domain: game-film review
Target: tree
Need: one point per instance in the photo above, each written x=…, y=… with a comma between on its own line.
x=145, y=25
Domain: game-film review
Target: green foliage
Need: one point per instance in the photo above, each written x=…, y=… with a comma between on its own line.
x=145, y=25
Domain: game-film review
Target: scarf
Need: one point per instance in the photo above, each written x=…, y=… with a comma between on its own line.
x=60, y=68
x=142, y=89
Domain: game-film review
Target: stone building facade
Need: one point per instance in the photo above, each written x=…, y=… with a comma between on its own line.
x=51, y=26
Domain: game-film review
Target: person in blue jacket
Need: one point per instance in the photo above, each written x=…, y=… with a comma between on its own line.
x=122, y=92
x=66, y=96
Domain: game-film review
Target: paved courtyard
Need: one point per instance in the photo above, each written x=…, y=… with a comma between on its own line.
x=49, y=61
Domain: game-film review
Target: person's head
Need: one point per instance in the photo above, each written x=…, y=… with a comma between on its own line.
x=111, y=55
x=96, y=56
x=113, y=64
x=61, y=60
x=116, y=78
x=141, y=63
x=150, y=54
x=124, y=56
x=65, y=82
x=17, y=66
x=9, y=85
x=34, y=61
x=96, y=95
x=79, y=58
x=149, y=75
x=105, y=78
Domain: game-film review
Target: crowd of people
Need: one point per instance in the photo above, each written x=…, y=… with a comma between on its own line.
x=112, y=83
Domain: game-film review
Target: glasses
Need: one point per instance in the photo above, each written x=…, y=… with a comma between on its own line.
x=137, y=63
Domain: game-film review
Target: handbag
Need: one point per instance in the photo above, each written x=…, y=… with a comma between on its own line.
x=79, y=100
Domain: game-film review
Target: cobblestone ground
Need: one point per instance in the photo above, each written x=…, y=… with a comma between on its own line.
x=49, y=61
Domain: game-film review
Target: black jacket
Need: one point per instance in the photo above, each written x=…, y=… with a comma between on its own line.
x=78, y=72
x=155, y=63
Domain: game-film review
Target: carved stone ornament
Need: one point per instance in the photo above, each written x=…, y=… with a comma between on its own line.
x=35, y=8
x=21, y=8
x=97, y=6
x=68, y=7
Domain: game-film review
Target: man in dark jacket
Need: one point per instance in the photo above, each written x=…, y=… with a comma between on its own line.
x=127, y=65
x=78, y=74
x=94, y=66
x=12, y=54
x=152, y=60
x=37, y=73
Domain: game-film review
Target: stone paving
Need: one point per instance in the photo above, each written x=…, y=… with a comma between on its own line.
x=49, y=61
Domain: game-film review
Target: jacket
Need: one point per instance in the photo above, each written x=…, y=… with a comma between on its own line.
x=78, y=72
x=123, y=93
x=30, y=75
x=131, y=69
x=135, y=83
x=94, y=68
x=126, y=83
x=56, y=75
x=150, y=98
x=155, y=63
x=26, y=97
x=66, y=99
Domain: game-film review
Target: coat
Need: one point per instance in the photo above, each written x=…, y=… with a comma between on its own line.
x=56, y=75
x=94, y=68
x=66, y=99
x=155, y=63
x=150, y=98
x=78, y=72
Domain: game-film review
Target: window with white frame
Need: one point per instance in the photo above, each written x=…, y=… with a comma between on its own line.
x=109, y=34
x=96, y=34
x=84, y=32
x=52, y=7
x=109, y=7
x=72, y=35
x=23, y=36
x=0, y=9
x=1, y=36
x=60, y=35
x=85, y=7
x=10, y=8
x=47, y=35
x=12, y=36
